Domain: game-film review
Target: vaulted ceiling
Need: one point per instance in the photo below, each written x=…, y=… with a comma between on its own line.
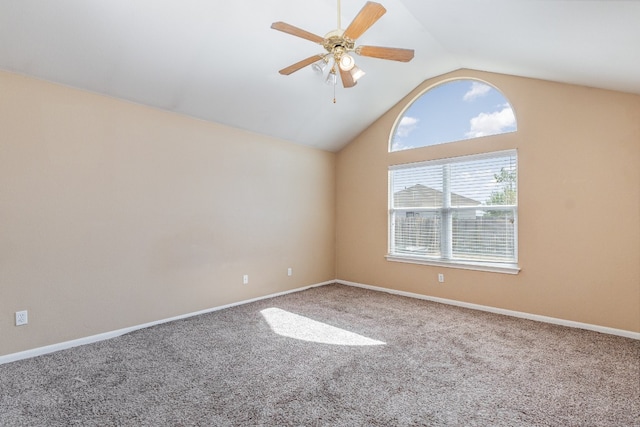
x=219, y=60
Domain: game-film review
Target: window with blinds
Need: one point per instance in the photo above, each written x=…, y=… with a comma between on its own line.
x=458, y=211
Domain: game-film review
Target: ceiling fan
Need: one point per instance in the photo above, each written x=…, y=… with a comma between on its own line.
x=339, y=45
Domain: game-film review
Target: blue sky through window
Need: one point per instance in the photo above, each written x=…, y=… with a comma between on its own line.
x=453, y=111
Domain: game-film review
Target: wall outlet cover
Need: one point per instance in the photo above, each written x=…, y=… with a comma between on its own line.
x=22, y=317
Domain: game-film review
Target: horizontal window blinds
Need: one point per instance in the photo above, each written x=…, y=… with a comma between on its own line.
x=456, y=209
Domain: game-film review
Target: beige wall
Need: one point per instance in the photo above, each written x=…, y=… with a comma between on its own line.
x=114, y=214
x=579, y=206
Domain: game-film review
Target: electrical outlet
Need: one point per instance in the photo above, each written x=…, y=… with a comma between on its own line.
x=289, y=271
x=245, y=279
x=440, y=277
x=22, y=318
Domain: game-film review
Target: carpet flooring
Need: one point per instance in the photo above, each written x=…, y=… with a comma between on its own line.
x=333, y=356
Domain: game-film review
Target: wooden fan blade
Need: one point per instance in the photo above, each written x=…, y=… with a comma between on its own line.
x=367, y=16
x=392, y=53
x=347, y=78
x=295, y=31
x=301, y=64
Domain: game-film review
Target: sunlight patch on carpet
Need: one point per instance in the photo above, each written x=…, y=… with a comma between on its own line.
x=292, y=325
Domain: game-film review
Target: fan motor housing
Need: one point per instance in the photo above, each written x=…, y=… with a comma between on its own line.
x=335, y=41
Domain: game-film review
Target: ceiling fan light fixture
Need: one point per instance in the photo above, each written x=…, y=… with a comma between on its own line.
x=320, y=66
x=347, y=62
x=331, y=61
x=356, y=73
x=332, y=78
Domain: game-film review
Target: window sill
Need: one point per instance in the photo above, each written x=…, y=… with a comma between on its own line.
x=465, y=265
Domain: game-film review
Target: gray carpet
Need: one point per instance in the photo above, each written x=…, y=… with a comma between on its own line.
x=333, y=356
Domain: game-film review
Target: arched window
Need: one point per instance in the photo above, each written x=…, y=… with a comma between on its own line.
x=453, y=111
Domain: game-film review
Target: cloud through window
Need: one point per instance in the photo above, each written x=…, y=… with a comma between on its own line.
x=453, y=111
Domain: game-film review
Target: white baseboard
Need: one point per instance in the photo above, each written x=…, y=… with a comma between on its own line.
x=545, y=319
x=107, y=335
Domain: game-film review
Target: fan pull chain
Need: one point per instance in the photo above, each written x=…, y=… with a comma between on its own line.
x=334, y=94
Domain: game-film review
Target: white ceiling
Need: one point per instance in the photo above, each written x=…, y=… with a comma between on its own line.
x=219, y=60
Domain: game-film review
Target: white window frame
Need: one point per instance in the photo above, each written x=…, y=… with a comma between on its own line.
x=446, y=259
